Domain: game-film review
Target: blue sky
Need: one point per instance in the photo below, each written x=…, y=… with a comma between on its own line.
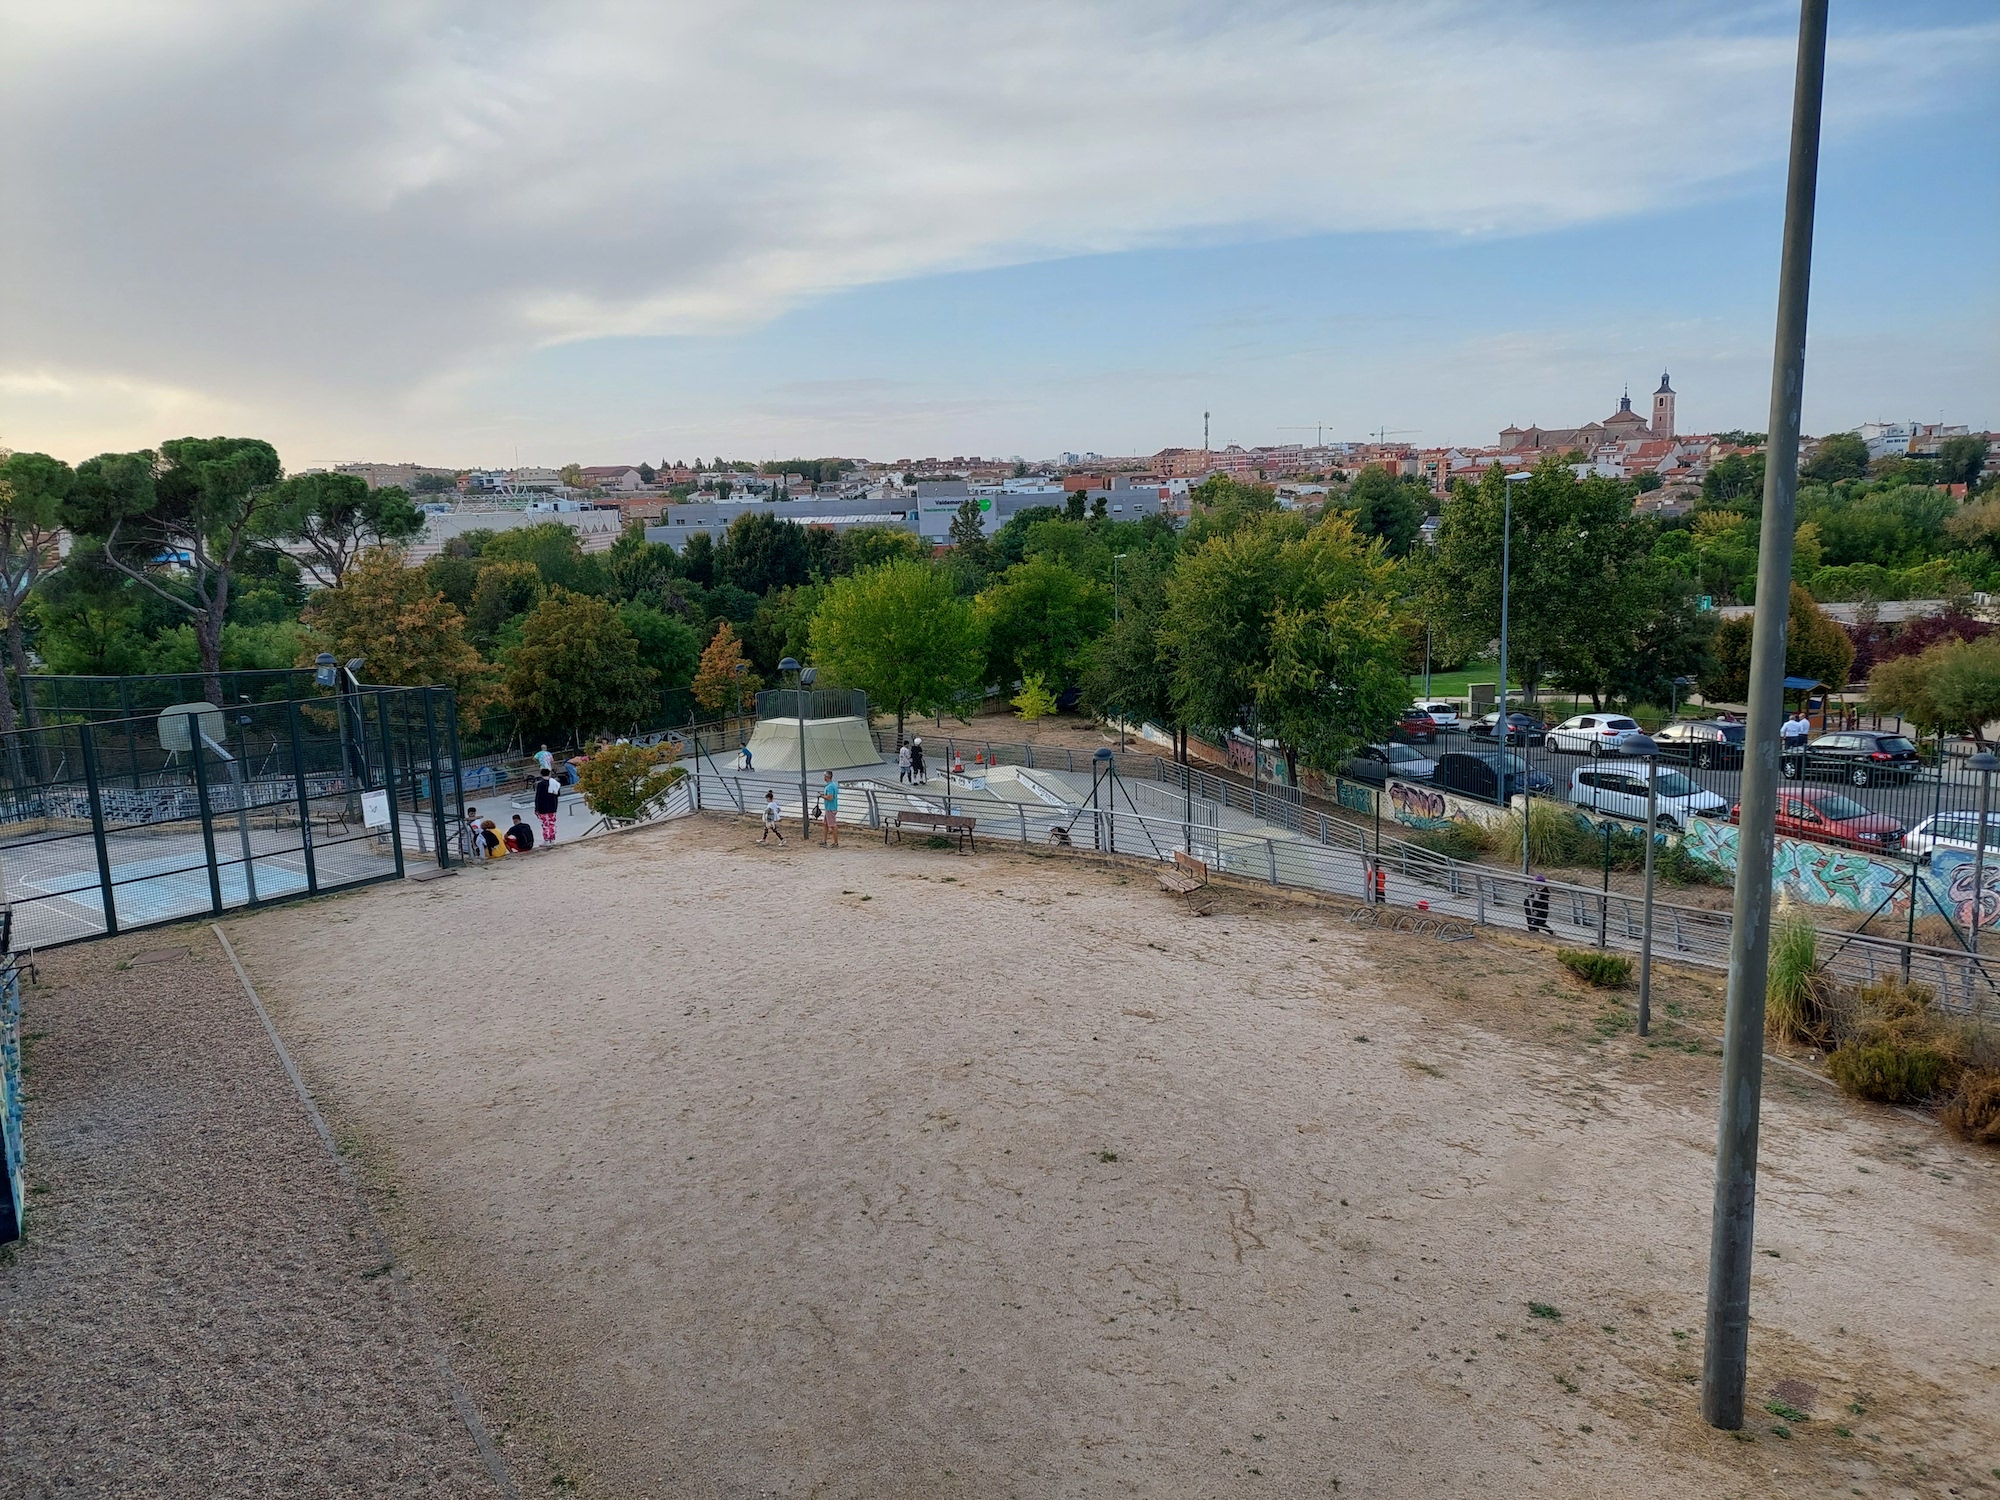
x=1002, y=260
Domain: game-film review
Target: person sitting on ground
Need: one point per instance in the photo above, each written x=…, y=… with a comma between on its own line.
x=489, y=839
x=520, y=837
x=470, y=845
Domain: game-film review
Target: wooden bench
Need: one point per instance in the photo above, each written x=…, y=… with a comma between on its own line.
x=951, y=825
x=1187, y=877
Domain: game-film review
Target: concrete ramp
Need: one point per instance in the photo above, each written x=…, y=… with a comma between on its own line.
x=830, y=745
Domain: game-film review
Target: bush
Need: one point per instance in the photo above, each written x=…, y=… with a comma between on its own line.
x=1676, y=864
x=1973, y=1112
x=1605, y=970
x=1898, y=1049
x=1034, y=701
x=625, y=783
x=1459, y=839
x=1798, y=996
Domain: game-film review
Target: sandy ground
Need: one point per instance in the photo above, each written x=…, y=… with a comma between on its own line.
x=892, y=1172
x=199, y=1308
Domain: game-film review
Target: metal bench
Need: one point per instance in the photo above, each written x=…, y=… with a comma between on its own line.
x=1188, y=877
x=950, y=825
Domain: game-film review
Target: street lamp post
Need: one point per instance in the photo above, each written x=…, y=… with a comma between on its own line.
x=1501, y=724
x=1645, y=744
x=802, y=679
x=1985, y=763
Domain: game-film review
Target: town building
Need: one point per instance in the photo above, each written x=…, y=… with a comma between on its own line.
x=1623, y=425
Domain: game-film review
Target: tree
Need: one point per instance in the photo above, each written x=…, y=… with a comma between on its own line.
x=1034, y=701
x=571, y=475
x=1953, y=685
x=723, y=682
x=901, y=634
x=577, y=670
x=698, y=559
x=624, y=783
x=337, y=517
x=1735, y=480
x=968, y=527
x=204, y=503
x=506, y=591
x=1815, y=647
x=639, y=571
x=1293, y=627
x=1383, y=505
x=667, y=645
x=1220, y=505
x=34, y=489
x=1843, y=455
x=647, y=473
x=1040, y=617
x=556, y=552
x=1961, y=460
x=863, y=547
x=1127, y=671
x=761, y=553
x=407, y=632
x=782, y=626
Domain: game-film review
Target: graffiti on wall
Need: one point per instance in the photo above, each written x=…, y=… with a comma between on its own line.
x=1419, y=806
x=1815, y=874
x=1949, y=883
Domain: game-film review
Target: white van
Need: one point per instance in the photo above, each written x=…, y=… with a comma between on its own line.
x=1621, y=792
x=1951, y=830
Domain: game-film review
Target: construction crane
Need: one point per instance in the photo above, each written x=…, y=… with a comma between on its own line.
x=1383, y=434
x=1317, y=428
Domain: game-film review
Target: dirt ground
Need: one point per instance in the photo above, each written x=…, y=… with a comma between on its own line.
x=894, y=1172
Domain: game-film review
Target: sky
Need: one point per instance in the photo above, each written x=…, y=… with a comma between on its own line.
x=488, y=232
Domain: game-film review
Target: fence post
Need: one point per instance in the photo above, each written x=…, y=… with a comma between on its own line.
x=437, y=782
x=131, y=729
x=389, y=779
x=1022, y=809
x=1271, y=853
x=305, y=803
x=207, y=822
x=97, y=833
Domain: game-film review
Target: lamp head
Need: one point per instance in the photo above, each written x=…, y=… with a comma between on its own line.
x=789, y=664
x=1639, y=744
x=1985, y=763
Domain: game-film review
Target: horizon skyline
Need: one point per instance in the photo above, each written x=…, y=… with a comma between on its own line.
x=463, y=230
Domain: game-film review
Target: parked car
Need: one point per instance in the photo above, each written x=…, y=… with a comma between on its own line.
x=1951, y=830
x=1865, y=757
x=1377, y=763
x=1415, y=727
x=1832, y=818
x=1605, y=732
x=1522, y=728
x=1707, y=743
x=1479, y=773
x=1443, y=712
x=1622, y=793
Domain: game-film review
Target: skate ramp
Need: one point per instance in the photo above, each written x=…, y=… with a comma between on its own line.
x=830, y=745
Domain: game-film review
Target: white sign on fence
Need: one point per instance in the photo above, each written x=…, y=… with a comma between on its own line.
x=375, y=809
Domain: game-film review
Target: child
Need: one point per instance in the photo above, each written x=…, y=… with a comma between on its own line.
x=470, y=846
x=489, y=839
x=520, y=837
x=771, y=819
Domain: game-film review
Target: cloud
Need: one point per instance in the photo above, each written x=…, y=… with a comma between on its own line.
x=358, y=207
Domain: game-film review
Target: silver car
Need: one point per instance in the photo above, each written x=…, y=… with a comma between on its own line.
x=1952, y=830
x=1606, y=733
x=1377, y=763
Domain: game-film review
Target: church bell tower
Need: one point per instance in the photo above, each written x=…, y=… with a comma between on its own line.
x=1663, y=409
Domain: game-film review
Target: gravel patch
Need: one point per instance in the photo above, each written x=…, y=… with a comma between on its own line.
x=202, y=1305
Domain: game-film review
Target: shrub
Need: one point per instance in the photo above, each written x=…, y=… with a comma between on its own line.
x=1676, y=864
x=1898, y=1049
x=1034, y=701
x=626, y=782
x=1973, y=1112
x=1605, y=970
x=1798, y=996
x=1460, y=839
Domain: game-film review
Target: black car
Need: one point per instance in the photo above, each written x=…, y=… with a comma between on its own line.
x=1521, y=728
x=1478, y=773
x=1702, y=742
x=1866, y=757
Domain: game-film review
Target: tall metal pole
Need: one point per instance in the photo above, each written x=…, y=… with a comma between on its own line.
x=1985, y=763
x=1726, y=1336
x=1646, y=938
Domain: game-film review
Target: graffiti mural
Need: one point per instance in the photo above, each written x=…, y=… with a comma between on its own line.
x=1950, y=885
x=1418, y=806
x=1815, y=874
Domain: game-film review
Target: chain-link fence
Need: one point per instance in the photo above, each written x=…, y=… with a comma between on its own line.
x=110, y=823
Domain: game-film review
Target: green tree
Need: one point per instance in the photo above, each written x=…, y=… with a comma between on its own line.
x=968, y=529
x=1220, y=505
x=506, y=591
x=554, y=550
x=782, y=626
x=578, y=670
x=637, y=571
x=1383, y=505
x=1815, y=647
x=901, y=634
x=1961, y=460
x=1041, y=617
x=1293, y=628
x=1010, y=542
x=1842, y=455
x=863, y=547
x=337, y=517
x=624, y=783
x=667, y=644
x=762, y=552
x=1735, y=480
x=206, y=502
x=1127, y=671
x=403, y=628
x=1034, y=701
x=34, y=490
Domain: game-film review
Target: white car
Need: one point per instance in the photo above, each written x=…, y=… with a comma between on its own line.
x=1604, y=731
x=1443, y=712
x=1952, y=830
x=1622, y=793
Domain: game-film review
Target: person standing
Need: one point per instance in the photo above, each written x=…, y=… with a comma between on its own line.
x=903, y=761
x=829, y=812
x=771, y=820
x=548, y=802
x=747, y=765
x=1536, y=906
x=1795, y=733
x=917, y=772
x=544, y=761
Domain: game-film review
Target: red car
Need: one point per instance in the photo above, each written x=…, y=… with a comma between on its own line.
x=1832, y=818
x=1415, y=727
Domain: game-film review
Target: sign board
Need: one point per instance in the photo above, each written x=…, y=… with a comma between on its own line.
x=1482, y=698
x=375, y=809
x=174, y=725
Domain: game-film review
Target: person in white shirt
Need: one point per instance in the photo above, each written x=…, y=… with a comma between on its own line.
x=903, y=761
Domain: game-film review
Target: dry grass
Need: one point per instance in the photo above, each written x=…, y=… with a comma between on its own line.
x=1973, y=1112
x=1798, y=995
x=1897, y=1048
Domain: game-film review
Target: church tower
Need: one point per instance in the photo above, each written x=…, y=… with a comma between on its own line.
x=1663, y=409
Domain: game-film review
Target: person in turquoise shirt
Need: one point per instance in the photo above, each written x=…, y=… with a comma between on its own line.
x=829, y=812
